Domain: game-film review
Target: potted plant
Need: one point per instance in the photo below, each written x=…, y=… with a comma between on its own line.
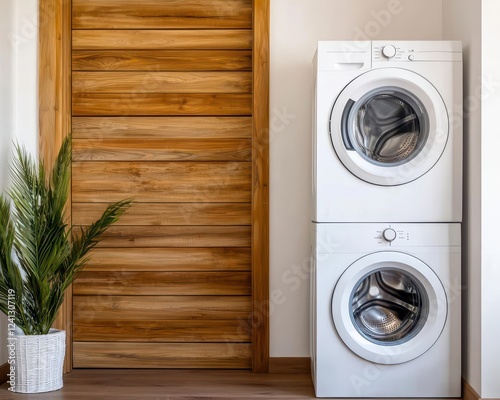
x=40, y=257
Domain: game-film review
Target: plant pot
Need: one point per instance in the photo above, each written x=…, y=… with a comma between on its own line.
x=39, y=361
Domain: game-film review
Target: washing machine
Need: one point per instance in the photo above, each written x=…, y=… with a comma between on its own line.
x=386, y=310
x=387, y=132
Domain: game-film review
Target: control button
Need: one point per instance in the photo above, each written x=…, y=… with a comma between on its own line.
x=389, y=51
x=411, y=57
x=389, y=234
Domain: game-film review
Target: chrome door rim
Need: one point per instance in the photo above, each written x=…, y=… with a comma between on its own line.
x=400, y=352
x=438, y=126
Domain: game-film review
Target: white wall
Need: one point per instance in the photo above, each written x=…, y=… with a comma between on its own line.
x=296, y=26
x=18, y=77
x=24, y=40
x=6, y=67
x=490, y=192
x=18, y=91
x=476, y=24
x=462, y=21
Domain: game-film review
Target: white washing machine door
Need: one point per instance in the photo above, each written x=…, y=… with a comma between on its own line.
x=389, y=126
x=389, y=307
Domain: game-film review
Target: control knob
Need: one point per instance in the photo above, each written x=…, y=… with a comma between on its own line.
x=389, y=234
x=389, y=51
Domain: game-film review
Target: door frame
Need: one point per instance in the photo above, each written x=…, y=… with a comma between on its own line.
x=54, y=99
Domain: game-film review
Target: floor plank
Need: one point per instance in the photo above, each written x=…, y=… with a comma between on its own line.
x=115, y=384
x=174, y=385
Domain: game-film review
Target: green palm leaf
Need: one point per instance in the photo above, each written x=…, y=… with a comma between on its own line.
x=39, y=256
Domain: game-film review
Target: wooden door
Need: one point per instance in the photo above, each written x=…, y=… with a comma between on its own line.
x=162, y=111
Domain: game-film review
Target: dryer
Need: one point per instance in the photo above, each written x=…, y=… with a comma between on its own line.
x=386, y=310
x=387, y=132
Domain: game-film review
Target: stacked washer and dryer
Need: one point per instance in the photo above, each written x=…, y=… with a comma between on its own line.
x=387, y=208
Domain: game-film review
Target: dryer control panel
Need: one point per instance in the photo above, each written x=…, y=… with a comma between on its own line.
x=386, y=51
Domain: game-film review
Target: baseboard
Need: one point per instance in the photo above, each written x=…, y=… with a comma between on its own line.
x=468, y=393
x=4, y=370
x=289, y=365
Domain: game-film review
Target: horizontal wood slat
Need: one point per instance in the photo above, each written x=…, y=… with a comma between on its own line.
x=158, y=182
x=169, y=214
x=162, y=82
x=162, y=109
x=141, y=149
x=132, y=308
x=162, y=60
x=157, y=330
x=161, y=127
x=100, y=104
x=163, y=283
x=214, y=39
x=176, y=236
x=147, y=14
x=165, y=355
x=170, y=259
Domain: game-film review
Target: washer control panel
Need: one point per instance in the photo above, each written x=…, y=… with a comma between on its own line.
x=392, y=52
x=363, y=238
x=392, y=235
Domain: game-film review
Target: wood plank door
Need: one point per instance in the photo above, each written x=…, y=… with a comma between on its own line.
x=162, y=111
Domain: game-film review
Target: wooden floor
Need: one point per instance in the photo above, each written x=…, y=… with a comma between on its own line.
x=174, y=385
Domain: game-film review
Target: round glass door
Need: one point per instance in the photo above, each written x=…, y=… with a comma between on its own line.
x=389, y=307
x=389, y=126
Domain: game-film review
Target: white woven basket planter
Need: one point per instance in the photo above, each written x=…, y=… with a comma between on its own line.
x=39, y=361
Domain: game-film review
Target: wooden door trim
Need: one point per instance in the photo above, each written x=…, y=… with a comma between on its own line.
x=54, y=95
x=54, y=113
x=260, y=187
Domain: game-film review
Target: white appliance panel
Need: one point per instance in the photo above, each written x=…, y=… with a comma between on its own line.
x=341, y=194
x=430, y=249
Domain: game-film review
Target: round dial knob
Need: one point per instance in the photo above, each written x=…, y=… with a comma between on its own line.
x=389, y=51
x=389, y=234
